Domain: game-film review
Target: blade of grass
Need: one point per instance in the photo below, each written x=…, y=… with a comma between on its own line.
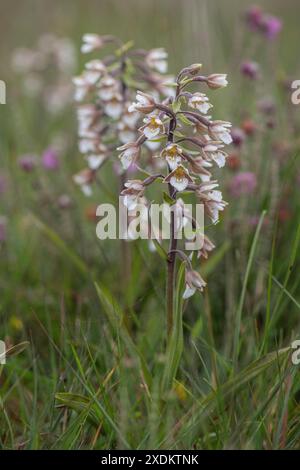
x=268, y=312
x=283, y=286
x=190, y=421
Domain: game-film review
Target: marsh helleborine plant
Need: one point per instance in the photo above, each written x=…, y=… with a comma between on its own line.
x=104, y=92
x=191, y=144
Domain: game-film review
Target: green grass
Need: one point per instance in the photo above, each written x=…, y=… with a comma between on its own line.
x=85, y=381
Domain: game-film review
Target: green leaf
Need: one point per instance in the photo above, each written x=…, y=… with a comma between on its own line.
x=238, y=317
x=124, y=48
x=17, y=349
x=92, y=407
x=160, y=249
x=176, y=106
x=168, y=199
x=80, y=403
x=184, y=120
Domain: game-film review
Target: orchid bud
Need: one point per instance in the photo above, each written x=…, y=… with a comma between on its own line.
x=192, y=70
x=91, y=42
x=144, y=103
x=193, y=282
x=217, y=80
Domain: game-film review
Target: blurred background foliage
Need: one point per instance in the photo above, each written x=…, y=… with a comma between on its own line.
x=187, y=29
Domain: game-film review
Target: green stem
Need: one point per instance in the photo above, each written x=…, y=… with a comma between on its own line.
x=172, y=250
x=171, y=275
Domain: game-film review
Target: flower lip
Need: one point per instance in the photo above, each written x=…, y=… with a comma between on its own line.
x=193, y=282
x=212, y=151
x=220, y=130
x=200, y=102
x=134, y=190
x=212, y=199
x=173, y=155
x=153, y=127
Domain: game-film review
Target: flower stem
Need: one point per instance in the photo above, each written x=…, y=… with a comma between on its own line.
x=125, y=250
x=171, y=273
x=125, y=245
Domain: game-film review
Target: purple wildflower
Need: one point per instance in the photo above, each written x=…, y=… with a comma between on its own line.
x=250, y=69
x=271, y=26
x=50, y=160
x=253, y=17
x=243, y=183
x=238, y=136
x=28, y=162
